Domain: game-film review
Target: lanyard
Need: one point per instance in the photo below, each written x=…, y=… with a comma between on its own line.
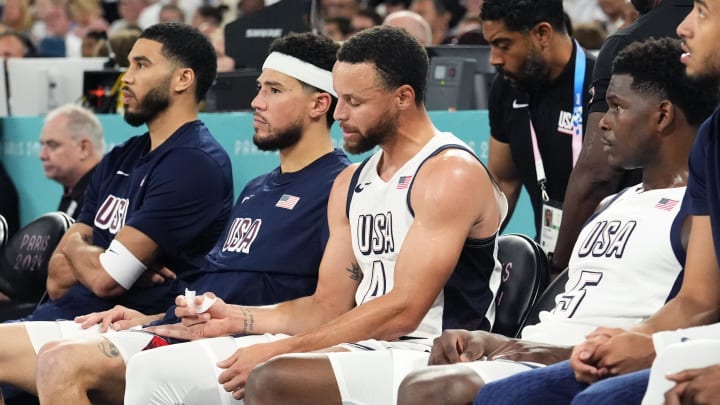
x=576, y=123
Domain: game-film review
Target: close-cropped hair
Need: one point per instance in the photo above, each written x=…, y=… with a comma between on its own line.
x=81, y=123
x=314, y=49
x=657, y=71
x=190, y=49
x=523, y=15
x=398, y=57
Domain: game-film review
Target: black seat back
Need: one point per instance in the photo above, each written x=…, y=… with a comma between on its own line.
x=3, y=231
x=24, y=260
x=546, y=302
x=525, y=273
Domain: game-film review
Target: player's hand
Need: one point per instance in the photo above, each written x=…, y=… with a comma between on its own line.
x=117, y=318
x=238, y=366
x=214, y=322
x=459, y=345
x=695, y=386
x=583, y=359
x=626, y=351
x=186, y=310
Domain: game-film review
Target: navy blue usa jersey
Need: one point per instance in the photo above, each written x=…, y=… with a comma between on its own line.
x=179, y=195
x=271, y=248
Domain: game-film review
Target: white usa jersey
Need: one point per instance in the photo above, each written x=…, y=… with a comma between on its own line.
x=624, y=267
x=380, y=217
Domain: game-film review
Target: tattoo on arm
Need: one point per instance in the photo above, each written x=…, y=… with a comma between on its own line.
x=248, y=321
x=354, y=271
x=108, y=349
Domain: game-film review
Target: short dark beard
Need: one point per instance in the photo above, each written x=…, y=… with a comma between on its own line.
x=374, y=136
x=280, y=140
x=532, y=74
x=155, y=101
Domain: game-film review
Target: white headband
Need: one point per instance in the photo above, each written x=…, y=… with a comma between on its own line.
x=301, y=70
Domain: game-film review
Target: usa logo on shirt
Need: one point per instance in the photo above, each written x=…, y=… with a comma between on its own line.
x=287, y=201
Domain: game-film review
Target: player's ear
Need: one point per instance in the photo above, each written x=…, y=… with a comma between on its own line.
x=184, y=78
x=405, y=96
x=321, y=103
x=665, y=115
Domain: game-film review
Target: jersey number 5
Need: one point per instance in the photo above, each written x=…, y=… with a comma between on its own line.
x=570, y=301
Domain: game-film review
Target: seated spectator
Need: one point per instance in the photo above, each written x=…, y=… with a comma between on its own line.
x=338, y=8
x=94, y=44
x=71, y=145
x=16, y=15
x=413, y=23
x=87, y=16
x=655, y=111
x=15, y=45
x=438, y=15
x=121, y=42
x=53, y=29
x=591, y=36
x=364, y=19
x=336, y=28
x=171, y=13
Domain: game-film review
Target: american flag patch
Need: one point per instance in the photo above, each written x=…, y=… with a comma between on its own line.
x=287, y=201
x=404, y=182
x=666, y=204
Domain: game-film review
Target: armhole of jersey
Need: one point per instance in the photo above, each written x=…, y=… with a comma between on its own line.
x=435, y=153
x=353, y=183
x=677, y=247
x=604, y=205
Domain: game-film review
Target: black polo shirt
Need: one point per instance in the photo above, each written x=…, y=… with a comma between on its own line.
x=548, y=105
x=72, y=200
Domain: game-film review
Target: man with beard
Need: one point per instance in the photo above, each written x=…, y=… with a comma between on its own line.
x=536, y=103
x=655, y=111
x=270, y=249
x=592, y=179
x=157, y=202
x=411, y=251
x=614, y=361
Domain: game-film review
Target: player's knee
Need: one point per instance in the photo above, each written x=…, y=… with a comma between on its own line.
x=269, y=381
x=55, y=363
x=429, y=386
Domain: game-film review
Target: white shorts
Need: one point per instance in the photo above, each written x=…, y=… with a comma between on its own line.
x=677, y=357
x=494, y=370
x=184, y=373
x=42, y=332
x=372, y=371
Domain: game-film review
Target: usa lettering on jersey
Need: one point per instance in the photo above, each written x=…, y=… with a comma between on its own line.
x=112, y=213
x=375, y=234
x=607, y=238
x=242, y=234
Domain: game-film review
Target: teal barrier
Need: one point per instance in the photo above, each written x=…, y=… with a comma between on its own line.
x=39, y=195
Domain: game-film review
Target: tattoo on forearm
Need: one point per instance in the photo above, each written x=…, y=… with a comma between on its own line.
x=248, y=321
x=108, y=349
x=354, y=271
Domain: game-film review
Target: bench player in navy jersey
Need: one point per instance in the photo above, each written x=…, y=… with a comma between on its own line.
x=411, y=251
x=651, y=124
x=158, y=200
x=270, y=249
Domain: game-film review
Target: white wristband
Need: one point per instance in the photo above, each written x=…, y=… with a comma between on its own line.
x=121, y=264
